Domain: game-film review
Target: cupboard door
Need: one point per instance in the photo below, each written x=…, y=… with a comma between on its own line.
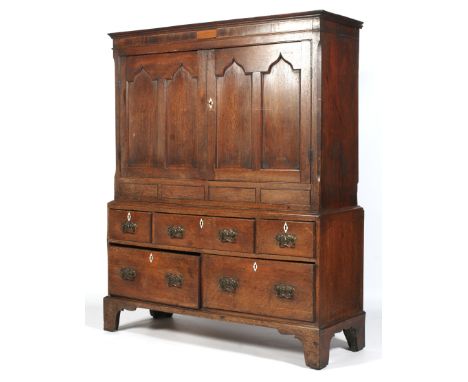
x=261, y=118
x=165, y=132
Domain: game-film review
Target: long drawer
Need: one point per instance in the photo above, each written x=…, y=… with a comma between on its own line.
x=227, y=234
x=263, y=287
x=168, y=278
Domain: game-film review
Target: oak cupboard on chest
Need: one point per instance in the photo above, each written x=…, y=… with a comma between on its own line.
x=236, y=176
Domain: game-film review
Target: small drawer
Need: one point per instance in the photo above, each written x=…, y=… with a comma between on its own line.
x=178, y=230
x=129, y=226
x=168, y=278
x=229, y=234
x=281, y=237
x=263, y=287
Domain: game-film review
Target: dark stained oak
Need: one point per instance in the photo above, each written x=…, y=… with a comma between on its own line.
x=302, y=242
x=129, y=225
x=212, y=209
x=142, y=113
x=281, y=128
x=238, y=194
x=188, y=226
x=340, y=258
x=262, y=287
x=339, y=155
x=234, y=122
x=258, y=125
x=182, y=192
x=205, y=231
x=236, y=176
x=181, y=140
x=162, y=115
x=239, y=236
x=154, y=276
x=285, y=197
x=316, y=341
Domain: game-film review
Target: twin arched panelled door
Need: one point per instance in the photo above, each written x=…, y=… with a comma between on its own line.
x=226, y=114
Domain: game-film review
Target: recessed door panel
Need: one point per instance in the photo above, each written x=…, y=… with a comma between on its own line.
x=281, y=118
x=142, y=112
x=234, y=118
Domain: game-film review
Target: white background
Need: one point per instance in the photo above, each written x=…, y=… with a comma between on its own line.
x=57, y=167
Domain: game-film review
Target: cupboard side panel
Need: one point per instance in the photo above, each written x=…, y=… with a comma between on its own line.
x=339, y=135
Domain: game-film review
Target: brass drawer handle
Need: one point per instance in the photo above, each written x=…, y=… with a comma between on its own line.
x=227, y=235
x=128, y=274
x=176, y=232
x=228, y=284
x=286, y=240
x=128, y=226
x=174, y=280
x=284, y=291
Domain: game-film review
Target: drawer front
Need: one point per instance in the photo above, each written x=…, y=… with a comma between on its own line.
x=129, y=225
x=178, y=230
x=264, y=287
x=167, y=278
x=281, y=237
x=228, y=234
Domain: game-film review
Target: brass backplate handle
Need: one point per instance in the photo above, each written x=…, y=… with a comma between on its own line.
x=286, y=240
x=176, y=231
x=128, y=273
x=174, y=280
x=129, y=227
x=285, y=291
x=228, y=284
x=227, y=235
